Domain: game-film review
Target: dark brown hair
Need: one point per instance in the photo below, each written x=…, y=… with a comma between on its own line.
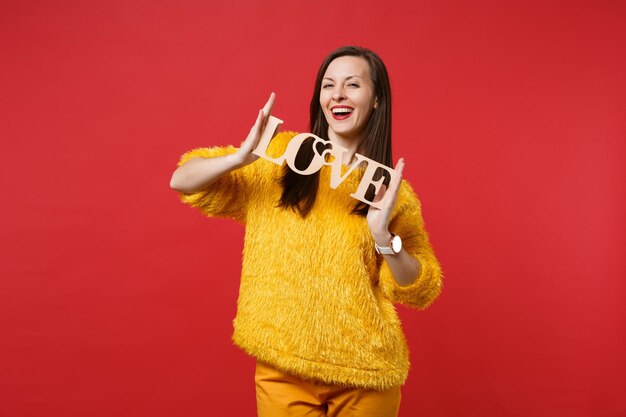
x=300, y=191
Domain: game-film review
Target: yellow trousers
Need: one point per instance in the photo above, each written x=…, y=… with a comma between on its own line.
x=282, y=395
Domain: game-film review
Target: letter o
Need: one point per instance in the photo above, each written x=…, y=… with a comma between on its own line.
x=292, y=150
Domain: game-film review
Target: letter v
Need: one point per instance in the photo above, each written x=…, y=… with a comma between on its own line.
x=337, y=152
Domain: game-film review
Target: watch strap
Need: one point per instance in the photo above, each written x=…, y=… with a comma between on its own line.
x=385, y=250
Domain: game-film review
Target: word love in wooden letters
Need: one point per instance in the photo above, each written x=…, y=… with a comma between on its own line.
x=319, y=160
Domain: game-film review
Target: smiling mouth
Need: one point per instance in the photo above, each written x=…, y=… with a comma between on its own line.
x=341, y=113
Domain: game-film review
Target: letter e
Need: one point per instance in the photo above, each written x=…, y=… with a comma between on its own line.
x=367, y=180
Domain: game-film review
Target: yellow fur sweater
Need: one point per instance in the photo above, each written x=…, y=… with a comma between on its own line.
x=315, y=299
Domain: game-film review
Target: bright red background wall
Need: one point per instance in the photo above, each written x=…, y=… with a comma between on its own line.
x=117, y=300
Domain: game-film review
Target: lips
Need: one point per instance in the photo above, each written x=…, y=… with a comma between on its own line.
x=341, y=112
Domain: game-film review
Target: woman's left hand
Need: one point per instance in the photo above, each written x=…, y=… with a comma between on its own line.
x=378, y=218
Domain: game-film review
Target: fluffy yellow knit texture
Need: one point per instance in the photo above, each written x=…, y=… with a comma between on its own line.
x=315, y=299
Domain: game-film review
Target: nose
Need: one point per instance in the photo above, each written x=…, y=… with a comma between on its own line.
x=338, y=94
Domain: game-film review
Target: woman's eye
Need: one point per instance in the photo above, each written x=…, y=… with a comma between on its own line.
x=353, y=85
x=327, y=85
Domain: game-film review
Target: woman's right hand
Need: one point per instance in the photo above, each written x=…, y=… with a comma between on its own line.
x=200, y=172
x=244, y=155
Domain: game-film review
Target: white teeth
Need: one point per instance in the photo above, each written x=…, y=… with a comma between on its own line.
x=342, y=110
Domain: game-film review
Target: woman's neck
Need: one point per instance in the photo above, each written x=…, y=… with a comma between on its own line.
x=350, y=144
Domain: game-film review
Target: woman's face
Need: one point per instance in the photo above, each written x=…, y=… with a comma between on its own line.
x=347, y=98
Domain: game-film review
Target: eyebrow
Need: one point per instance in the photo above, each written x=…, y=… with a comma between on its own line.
x=347, y=78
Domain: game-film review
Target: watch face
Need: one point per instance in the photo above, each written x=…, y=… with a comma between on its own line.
x=396, y=244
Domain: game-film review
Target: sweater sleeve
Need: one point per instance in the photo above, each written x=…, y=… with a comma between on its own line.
x=407, y=223
x=228, y=195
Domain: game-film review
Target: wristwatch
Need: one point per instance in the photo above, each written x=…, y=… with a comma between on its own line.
x=396, y=246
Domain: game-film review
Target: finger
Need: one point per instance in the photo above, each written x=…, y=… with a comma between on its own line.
x=267, y=109
x=254, y=130
x=400, y=166
x=399, y=169
x=381, y=194
x=394, y=186
x=257, y=122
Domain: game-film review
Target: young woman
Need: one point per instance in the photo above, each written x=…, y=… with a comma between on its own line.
x=322, y=270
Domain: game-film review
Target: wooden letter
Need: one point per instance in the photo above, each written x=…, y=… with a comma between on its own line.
x=367, y=180
x=319, y=160
x=292, y=151
x=272, y=125
x=337, y=152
